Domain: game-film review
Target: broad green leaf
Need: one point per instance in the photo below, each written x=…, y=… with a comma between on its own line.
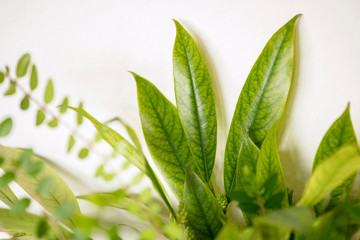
x=40, y=117
x=298, y=218
x=268, y=167
x=5, y=127
x=33, y=78
x=11, y=90
x=23, y=65
x=2, y=77
x=164, y=134
x=330, y=174
x=49, y=92
x=60, y=194
x=341, y=133
x=25, y=103
x=7, y=196
x=195, y=101
x=64, y=105
x=262, y=98
x=121, y=145
x=204, y=215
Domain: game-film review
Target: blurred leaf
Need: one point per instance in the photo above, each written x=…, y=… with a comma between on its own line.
x=136, y=180
x=11, y=90
x=148, y=234
x=64, y=105
x=19, y=206
x=33, y=78
x=53, y=123
x=40, y=117
x=204, y=215
x=42, y=228
x=2, y=77
x=79, y=116
x=7, y=196
x=331, y=173
x=6, y=178
x=247, y=204
x=45, y=186
x=230, y=231
x=5, y=127
x=262, y=98
x=65, y=211
x=71, y=143
x=60, y=194
x=25, y=103
x=23, y=65
x=84, y=152
x=49, y=92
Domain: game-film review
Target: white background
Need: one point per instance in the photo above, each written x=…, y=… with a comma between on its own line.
x=87, y=47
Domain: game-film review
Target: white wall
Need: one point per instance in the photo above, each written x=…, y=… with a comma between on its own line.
x=87, y=47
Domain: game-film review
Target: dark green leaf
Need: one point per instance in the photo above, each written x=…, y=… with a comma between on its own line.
x=273, y=201
x=23, y=65
x=164, y=134
x=341, y=133
x=11, y=90
x=248, y=204
x=5, y=127
x=204, y=214
x=33, y=78
x=262, y=98
x=64, y=105
x=53, y=123
x=40, y=117
x=42, y=229
x=49, y=92
x=79, y=116
x=19, y=206
x=71, y=143
x=2, y=77
x=25, y=103
x=84, y=152
x=195, y=101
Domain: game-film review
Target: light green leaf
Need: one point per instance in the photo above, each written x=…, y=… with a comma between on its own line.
x=7, y=196
x=23, y=65
x=195, y=101
x=2, y=77
x=341, y=133
x=79, y=116
x=229, y=232
x=53, y=123
x=268, y=167
x=45, y=186
x=49, y=92
x=5, y=127
x=19, y=206
x=121, y=145
x=40, y=117
x=60, y=194
x=64, y=105
x=84, y=152
x=71, y=143
x=330, y=174
x=262, y=98
x=204, y=215
x=25, y=103
x=164, y=134
x=11, y=90
x=33, y=78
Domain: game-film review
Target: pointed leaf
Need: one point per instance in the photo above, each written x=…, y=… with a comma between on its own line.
x=60, y=194
x=341, y=133
x=204, y=214
x=23, y=65
x=164, y=134
x=33, y=78
x=330, y=174
x=40, y=117
x=5, y=127
x=49, y=92
x=195, y=101
x=71, y=143
x=64, y=105
x=262, y=98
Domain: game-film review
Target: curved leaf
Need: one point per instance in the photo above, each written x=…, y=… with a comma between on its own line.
x=164, y=134
x=340, y=134
x=262, y=98
x=23, y=65
x=28, y=178
x=330, y=174
x=195, y=101
x=204, y=215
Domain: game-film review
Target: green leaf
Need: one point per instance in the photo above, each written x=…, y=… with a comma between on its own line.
x=129, y=152
x=84, y=152
x=71, y=143
x=23, y=65
x=204, y=214
x=11, y=90
x=5, y=127
x=330, y=174
x=230, y=232
x=19, y=206
x=64, y=105
x=53, y=123
x=164, y=134
x=7, y=196
x=25, y=103
x=2, y=77
x=49, y=92
x=65, y=211
x=341, y=133
x=6, y=178
x=60, y=194
x=195, y=101
x=40, y=117
x=268, y=166
x=45, y=186
x=262, y=98
x=33, y=78
x=79, y=116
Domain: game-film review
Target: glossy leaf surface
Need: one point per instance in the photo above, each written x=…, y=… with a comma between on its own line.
x=195, y=101
x=204, y=215
x=262, y=98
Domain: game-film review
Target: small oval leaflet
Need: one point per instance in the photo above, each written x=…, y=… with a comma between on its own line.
x=23, y=65
x=5, y=127
x=49, y=92
x=25, y=103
